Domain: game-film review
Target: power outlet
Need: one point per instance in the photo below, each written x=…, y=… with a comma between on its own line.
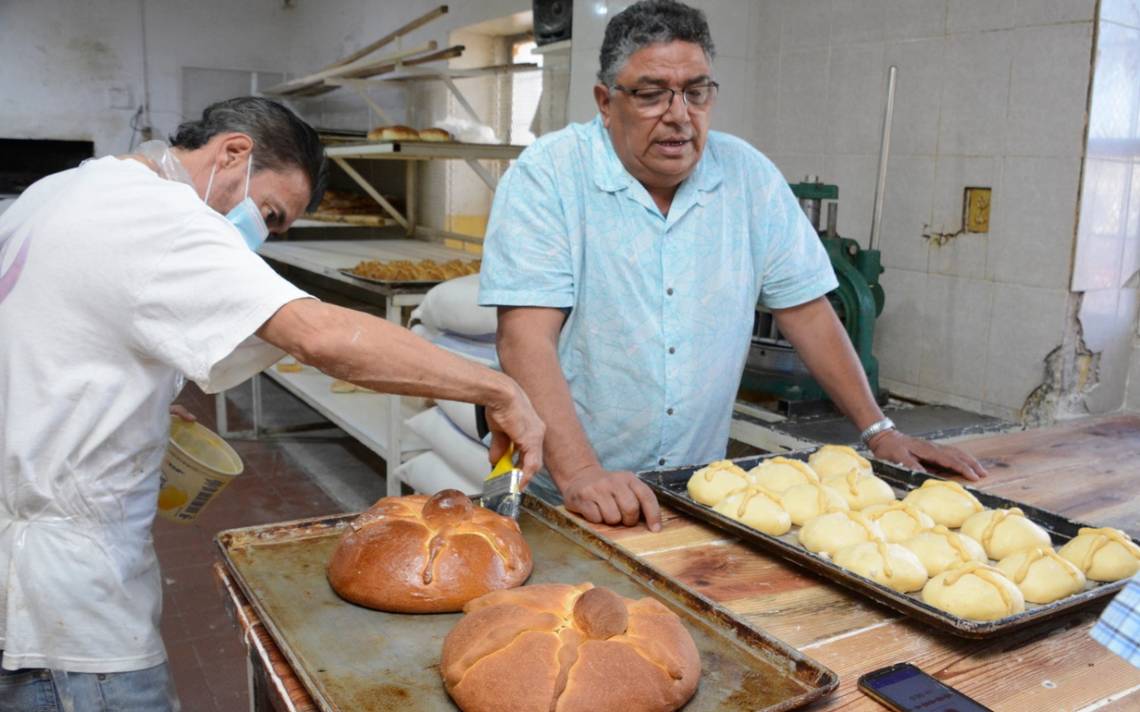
x=976, y=210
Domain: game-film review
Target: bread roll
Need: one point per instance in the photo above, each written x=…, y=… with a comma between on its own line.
x=974, y=591
x=828, y=533
x=948, y=503
x=1002, y=532
x=757, y=508
x=438, y=135
x=861, y=489
x=892, y=565
x=393, y=133
x=421, y=554
x=899, y=520
x=809, y=500
x=1103, y=554
x=1042, y=574
x=779, y=474
x=940, y=549
x=712, y=483
x=833, y=460
x=570, y=649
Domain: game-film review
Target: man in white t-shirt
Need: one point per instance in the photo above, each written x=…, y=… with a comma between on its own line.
x=117, y=279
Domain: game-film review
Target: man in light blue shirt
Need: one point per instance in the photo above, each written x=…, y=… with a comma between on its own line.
x=626, y=256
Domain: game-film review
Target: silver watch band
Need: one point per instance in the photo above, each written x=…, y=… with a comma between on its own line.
x=875, y=428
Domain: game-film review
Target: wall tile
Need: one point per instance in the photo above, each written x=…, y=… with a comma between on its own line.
x=733, y=110
x=580, y=104
x=804, y=24
x=914, y=19
x=764, y=19
x=863, y=21
x=855, y=97
x=765, y=101
x=898, y=330
x=802, y=98
x=955, y=335
x=967, y=15
x=795, y=167
x=590, y=24
x=918, y=94
x=975, y=93
x=1125, y=12
x=1050, y=69
x=855, y=176
x=1116, y=92
x=728, y=23
x=1102, y=231
x=965, y=255
x=1130, y=261
x=1115, y=344
x=1027, y=324
x=906, y=211
x=1043, y=12
x=1036, y=222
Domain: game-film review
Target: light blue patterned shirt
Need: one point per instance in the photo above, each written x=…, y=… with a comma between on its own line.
x=660, y=307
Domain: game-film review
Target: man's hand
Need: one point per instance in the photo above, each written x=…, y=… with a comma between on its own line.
x=182, y=413
x=912, y=453
x=513, y=420
x=612, y=497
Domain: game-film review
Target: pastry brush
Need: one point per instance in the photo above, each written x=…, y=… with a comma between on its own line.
x=502, y=490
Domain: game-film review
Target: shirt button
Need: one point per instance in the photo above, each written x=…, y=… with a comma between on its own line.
x=669, y=412
x=669, y=291
x=672, y=350
x=661, y=461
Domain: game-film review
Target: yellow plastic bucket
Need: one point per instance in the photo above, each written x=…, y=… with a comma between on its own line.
x=197, y=467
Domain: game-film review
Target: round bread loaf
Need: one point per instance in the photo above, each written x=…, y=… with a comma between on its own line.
x=421, y=554
x=892, y=565
x=974, y=591
x=899, y=520
x=779, y=474
x=828, y=533
x=832, y=460
x=434, y=135
x=1002, y=532
x=393, y=133
x=1042, y=574
x=713, y=482
x=948, y=503
x=757, y=508
x=570, y=649
x=809, y=500
x=1103, y=554
x=861, y=489
x=940, y=549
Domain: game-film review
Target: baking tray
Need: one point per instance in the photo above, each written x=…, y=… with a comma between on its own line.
x=390, y=282
x=671, y=487
x=354, y=658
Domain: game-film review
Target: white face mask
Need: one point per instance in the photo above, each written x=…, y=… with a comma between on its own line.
x=245, y=216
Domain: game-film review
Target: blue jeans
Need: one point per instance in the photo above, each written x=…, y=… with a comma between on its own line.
x=40, y=690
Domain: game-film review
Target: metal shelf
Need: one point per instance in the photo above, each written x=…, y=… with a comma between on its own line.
x=425, y=150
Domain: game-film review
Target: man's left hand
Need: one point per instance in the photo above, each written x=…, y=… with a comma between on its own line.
x=913, y=453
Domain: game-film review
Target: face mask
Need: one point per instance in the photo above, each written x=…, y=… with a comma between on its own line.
x=245, y=215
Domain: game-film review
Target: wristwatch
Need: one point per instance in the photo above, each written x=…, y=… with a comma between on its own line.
x=880, y=426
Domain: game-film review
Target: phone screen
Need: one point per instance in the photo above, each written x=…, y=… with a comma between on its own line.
x=912, y=690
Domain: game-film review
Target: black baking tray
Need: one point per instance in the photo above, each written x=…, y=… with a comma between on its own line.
x=671, y=488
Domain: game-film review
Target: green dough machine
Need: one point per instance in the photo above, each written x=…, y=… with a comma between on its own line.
x=774, y=370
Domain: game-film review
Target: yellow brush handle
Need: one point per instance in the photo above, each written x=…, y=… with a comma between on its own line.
x=505, y=463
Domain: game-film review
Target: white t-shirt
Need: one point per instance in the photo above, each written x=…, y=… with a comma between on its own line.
x=113, y=284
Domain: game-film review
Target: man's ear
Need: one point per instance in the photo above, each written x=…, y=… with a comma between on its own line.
x=235, y=148
x=602, y=98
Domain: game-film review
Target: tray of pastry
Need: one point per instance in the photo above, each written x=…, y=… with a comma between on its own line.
x=961, y=560
x=355, y=658
x=406, y=273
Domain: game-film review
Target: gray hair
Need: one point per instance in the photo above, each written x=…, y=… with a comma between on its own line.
x=281, y=139
x=647, y=23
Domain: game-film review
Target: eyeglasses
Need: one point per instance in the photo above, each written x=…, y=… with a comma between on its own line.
x=655, y=101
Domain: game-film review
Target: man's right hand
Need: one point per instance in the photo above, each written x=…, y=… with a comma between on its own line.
x=615, y=498
x=513, y=420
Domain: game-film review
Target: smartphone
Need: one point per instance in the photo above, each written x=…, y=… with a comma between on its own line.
x=904, y=688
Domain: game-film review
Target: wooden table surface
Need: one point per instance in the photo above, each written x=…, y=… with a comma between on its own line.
x=1088, y=470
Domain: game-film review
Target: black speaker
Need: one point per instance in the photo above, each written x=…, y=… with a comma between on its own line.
x=552, y=20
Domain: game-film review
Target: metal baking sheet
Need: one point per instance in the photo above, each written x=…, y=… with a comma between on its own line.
x=671, y=487
x=354, y=658
x=391, y=282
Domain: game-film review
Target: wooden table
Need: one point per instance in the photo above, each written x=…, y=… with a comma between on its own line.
x=1088, y=470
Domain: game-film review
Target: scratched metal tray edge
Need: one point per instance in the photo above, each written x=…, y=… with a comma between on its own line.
x=741, y=634
x=912, y=607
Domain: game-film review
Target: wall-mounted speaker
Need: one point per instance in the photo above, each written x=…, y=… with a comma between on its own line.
x=552, y=20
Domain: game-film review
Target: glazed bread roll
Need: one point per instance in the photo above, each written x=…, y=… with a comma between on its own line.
x=833, y=460
x=570, y=649
x=940, y=549
x=974, y=591
x=1002, y=532
x=421, y=554
x=434, y=135
x=1042, y=574
x=757, y=508
x=861, y=489
x=830, y=532
x=1103, y=554
x=892, y=565
x=948, y=503
x=393, y=133
x=714, y=482
x=809, y=500
x=779, y=474
x=899, y=520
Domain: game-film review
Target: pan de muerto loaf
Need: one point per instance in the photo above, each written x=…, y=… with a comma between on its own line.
x=569, y=649
x=423, y=554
